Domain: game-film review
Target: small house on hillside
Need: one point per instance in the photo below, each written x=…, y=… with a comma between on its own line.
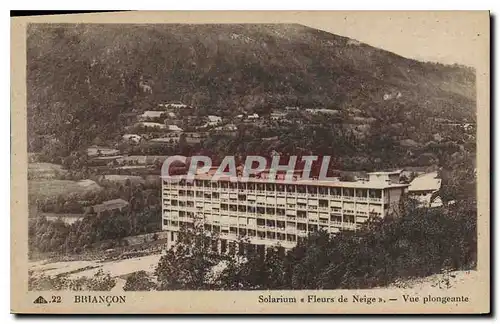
x=424, y=189
x=110, y=205
x=151, y=114
x=132, y=138
x=174, y=105
x=174, y=128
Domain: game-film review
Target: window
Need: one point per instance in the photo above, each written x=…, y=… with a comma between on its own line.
x=374, y=193
x=323, y=190
x=323, y=203
x=349, y=192
x=312, y=190
x=335, y=191
x=349, y=218
x=301, y=214
x=361, y=193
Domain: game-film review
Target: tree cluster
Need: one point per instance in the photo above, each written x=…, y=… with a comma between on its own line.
x=419, y=243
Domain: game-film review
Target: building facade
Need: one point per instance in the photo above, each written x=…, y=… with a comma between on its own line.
x=424, y=189
x=268, y=212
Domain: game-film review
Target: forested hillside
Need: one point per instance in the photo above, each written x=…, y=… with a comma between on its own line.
x=81, y=77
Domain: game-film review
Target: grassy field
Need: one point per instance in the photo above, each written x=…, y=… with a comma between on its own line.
x=40, y=189
x=44, y=170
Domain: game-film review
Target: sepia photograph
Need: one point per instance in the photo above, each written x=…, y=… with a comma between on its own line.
x=313, y=163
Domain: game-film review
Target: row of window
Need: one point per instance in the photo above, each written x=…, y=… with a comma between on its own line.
x=300, y=214
x=266, y=222
x=243, y=197
x=263, y=234
x=252, y=206
x=280, y=210
x=271, y=187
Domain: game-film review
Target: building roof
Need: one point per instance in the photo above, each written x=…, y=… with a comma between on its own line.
x=213, y=118
x=426, y=182
x=140, y=159
x=386, y=172
x=152, y=113
x=164, y=139
x=104, y=158
x=101, y=151
x=127, y=136
x=148, y=124
x=323, y=183
x=110, y=205
x=322, y=110
x=174, y=128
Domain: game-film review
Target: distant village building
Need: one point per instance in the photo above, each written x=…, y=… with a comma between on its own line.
x=322, y=111
x=252, y=117
x=103, y=160
x=213, y=120
x=152, y=125
x=229, y=130
x=228, y=127
x=278, y=115
x=171, y=138
x=270, y=139
x=141, y=159
x=195, y=137
x=123, y=179
x=132, y=160
x=132, y=138
x=110, y=205
x=146, y=88
x=389, y=96
x=175, y=105
x=101, y=151
x=424, y=189
x=174, y=128
x=66, y=218
x=151, y=114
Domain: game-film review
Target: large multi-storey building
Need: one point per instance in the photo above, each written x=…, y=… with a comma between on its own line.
x=270, y=212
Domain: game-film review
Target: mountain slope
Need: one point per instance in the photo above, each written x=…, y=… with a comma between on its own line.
x=80, y=77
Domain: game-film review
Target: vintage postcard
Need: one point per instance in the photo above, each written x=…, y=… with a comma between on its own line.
x=251, y=163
